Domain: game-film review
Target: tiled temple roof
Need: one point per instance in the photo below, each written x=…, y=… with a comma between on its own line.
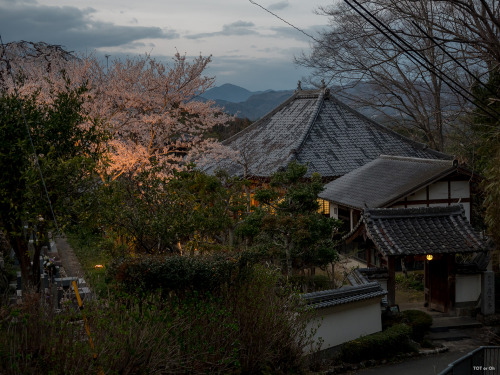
x=385, y=180
x=314, y=128
x=347, y=294
x=419, y=231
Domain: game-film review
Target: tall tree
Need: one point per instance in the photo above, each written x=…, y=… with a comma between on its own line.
x=191, y=211
x=486, y=130
x=47, y=165
x=395, y=74
x=147, y=106
x=287, y=225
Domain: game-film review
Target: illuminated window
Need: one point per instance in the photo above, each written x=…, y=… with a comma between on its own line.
x=324, y=207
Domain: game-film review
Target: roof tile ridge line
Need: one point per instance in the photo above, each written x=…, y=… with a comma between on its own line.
x=435, y=211
x=415, y=159
x=262, y=119
x=346, y=289
x=423, y=146
x=375, y=238
x=461, y=225
x=300, y=143
x=423, y=184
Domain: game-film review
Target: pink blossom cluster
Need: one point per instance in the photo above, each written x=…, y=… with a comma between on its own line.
x=148, y=107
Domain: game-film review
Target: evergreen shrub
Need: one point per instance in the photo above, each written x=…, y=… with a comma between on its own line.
x=419, y=321
x=395, y=340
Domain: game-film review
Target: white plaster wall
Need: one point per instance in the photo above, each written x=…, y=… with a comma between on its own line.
x=418, y=196
x=438, y=190
x=334, y=211
x=467, y=210
x=459, y=189
x=467, y=288
x=347, y=322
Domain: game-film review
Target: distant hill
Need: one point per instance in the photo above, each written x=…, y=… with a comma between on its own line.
x=228, y=92
x=254, y=105
x=244, y=103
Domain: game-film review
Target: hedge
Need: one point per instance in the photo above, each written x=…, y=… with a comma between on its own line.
x=419, y=321
x=179, y=274
x=385, y=344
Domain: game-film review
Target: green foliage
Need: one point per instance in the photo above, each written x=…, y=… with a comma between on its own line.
x=86, y=247
x=149, y=214
x=414, y=281
x=130, y=336
x=272, y=322
x=386, y=344
x=487, y=129
x=180, y=275
x=225, y=131
x=287, y=225
x=66, y=153
x=419, y=321
x=311, y=283
x=255, y=327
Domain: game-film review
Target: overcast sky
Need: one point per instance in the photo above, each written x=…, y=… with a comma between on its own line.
x=250, y=47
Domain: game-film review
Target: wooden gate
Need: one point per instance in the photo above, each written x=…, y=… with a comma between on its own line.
x=440, y=288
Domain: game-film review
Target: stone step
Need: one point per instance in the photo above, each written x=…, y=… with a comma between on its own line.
x=450, y=335
x=444, y=323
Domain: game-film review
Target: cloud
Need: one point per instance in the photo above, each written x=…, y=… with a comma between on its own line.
x=236, y=28
x=291, y=33
x=279, y=5
x=69, y=26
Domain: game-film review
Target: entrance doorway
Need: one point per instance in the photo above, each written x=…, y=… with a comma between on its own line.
x=439, y=283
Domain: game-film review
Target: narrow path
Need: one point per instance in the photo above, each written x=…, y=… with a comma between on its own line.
x=435, y=363
x=430, y=365
x=68, y=258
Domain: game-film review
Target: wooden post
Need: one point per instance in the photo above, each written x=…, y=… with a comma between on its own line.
x=368, y=257
x=391, y=281
x=451, y=281
x=427, y=284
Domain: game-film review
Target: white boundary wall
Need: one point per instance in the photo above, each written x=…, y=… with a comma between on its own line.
x=467, y=288
x=347, y=322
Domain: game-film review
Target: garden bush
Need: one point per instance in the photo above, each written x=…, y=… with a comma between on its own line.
x=419, y=321
x=311, y=283
x=255, y=326
x=272, y=324
x=414, y=281
x=395, y=340
x=179, y=275
x=136, y=337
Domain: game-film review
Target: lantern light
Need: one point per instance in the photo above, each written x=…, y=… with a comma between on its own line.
x=429, y=256
x=97, y=266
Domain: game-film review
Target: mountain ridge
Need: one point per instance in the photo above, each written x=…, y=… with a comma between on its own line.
x=253, y=105
x=239, y=101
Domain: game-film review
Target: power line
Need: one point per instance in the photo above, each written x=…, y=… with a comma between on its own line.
x=9, y=69
x=431, y=38
x=285, y=21
x=408, y=51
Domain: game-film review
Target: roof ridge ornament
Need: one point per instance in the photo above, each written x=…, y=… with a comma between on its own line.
x=326, y=90
x=299, y=86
